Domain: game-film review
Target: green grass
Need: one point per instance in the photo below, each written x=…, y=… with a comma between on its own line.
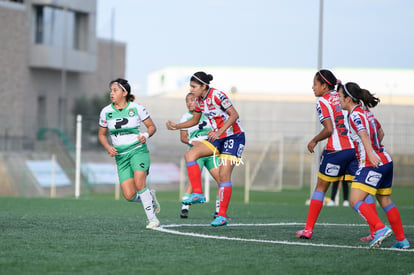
x=98, y=235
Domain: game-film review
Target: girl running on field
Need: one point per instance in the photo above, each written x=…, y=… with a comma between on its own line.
x=123, y=119
x=226, y=139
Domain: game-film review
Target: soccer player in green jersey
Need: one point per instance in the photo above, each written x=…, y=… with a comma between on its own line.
x=124, y=118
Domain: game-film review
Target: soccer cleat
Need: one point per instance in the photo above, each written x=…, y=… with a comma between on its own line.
x=155, y=203
x=404, y=244
x=304, y=234
x=184, y=213
x=194, y=198
x=153, y=223
x=367, y=238
x=380, y=236
x=215, y=215
x=219, y=221
x=345, y=204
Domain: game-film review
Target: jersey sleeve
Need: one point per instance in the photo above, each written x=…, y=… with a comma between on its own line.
x=142, y=112
x=357, y=122
x=322, y=110
x=102, y=119
x=197, y=105
x=222, y=100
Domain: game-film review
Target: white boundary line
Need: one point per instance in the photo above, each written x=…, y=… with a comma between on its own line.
x=165, y=229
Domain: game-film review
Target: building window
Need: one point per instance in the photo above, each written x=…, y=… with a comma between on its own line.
x=81, y=31
x=41, y=111
x=61, y=28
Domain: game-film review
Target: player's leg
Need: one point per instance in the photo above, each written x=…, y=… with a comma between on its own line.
x=345, y=191
x=184, y=207
x=194, y=174
x=315, y=207
x=359, y=192
x=226, y=188
x=231, y=152
x=384, y=199
x=212, y=164
x=334, y=190
x=140, y=163
x=371, y=203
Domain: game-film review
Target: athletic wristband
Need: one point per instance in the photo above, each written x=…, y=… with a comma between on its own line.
x=146, y=135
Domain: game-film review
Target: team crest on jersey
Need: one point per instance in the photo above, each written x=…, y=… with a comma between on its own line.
x=131, y=112
x=208, y=101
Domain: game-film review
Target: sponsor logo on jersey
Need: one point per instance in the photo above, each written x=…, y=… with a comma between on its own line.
x=226, y=103
x=373, y=178
x=332, y=169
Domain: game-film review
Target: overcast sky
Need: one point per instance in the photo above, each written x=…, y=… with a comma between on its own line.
x=258, y=33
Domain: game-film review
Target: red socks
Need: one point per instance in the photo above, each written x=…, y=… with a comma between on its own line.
x=314, y=209
x=225, y=195
x=366, y=212
x=194, y=175
x=394, y=219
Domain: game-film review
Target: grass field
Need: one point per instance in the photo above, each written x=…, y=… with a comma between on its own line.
x=98, y=235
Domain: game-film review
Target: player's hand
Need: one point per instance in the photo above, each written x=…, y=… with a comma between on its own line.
x=311, y=146
x=112, y=151
x=143, y=137
x=171, y=125
x=213, y=135
x=374, y=159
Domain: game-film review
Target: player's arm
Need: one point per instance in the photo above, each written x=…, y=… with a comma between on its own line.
x=187, y=124
x=150, y=130
x=325, y=133
x=184, y=137
x=373, y=158
x=104, y=141
x=233, y=116
x=380, y=134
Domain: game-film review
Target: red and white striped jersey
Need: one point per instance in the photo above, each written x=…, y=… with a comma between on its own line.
x=329, y=107
x=214, y=106
x=360, y=119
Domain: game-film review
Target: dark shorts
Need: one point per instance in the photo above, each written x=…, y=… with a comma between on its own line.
x=375, y=180
x=335, y=165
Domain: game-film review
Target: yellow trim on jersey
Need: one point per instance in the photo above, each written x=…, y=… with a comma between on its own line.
x=328, y=178
x=211, y=147
x=365, y=188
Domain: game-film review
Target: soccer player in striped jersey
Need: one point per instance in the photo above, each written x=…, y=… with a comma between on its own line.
x=226, y=139
x=123, y=118
x=338, y=158
x=191, y=136
x=375, y=169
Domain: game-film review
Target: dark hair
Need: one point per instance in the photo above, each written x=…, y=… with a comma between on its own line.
x=202, y=78
x=327, y=77
x=357, y=94
x=124, y=85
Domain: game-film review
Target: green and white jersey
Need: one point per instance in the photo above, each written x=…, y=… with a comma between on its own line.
x=123, y=125
x=199, y=131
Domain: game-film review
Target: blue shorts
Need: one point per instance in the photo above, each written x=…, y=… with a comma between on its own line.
x=335, y=165
x=375, y=180
x=230, y=147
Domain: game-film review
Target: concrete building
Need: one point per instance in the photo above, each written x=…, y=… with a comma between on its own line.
x=50, y=56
